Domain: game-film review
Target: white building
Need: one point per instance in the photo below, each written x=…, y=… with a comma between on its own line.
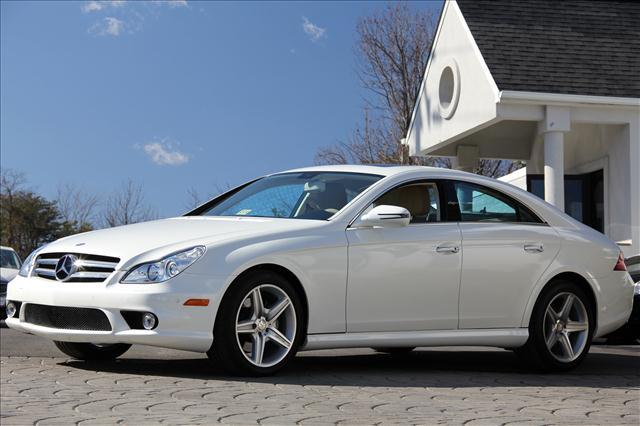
x=554, y=84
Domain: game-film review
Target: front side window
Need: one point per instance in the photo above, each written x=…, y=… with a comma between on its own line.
x=308, y=195
x=479, y=204
x=421, y=199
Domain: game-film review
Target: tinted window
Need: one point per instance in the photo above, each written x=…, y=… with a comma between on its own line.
x=583, y=196
x=309, y=195
x=9, y=259
x=421, y=199
x=480, y=204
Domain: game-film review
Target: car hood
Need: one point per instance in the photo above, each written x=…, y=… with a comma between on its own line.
x=7, y=274
x=161, y=237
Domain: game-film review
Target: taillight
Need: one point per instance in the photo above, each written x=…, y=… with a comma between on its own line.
x=620, y=266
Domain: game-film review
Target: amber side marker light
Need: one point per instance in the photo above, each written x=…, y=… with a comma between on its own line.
x=197, y=302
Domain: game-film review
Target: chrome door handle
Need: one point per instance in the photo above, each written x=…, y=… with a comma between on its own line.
x=447, y=249
x=533, y=248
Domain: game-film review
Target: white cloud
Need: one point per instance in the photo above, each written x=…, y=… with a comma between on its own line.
x=92, y=6
x=109, y=26
x=121, y=15
x=314, y=32
x=177, y=3
x=98, y=5
x=163, y=154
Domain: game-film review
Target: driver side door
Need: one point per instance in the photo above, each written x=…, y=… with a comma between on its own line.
x=406, y=278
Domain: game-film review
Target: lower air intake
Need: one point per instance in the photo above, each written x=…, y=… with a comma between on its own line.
x=67, y=318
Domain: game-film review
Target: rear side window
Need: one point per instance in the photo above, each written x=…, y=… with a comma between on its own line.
x=481, y=204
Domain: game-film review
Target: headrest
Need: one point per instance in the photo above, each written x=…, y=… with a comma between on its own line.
x=414, y=198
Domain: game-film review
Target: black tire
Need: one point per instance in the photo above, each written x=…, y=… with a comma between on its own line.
x=394, y=351
x=225, y=350
x=92, y=352
x=535, y=351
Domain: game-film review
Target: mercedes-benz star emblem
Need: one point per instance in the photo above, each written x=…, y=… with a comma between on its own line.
x=66, y=267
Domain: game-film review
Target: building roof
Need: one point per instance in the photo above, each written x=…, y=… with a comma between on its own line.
x=568, y=47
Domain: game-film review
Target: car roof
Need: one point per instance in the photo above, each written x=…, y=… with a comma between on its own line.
x=6, y=248
x=375, y=169
x=549, y=213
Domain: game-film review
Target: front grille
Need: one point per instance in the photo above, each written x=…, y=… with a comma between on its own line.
x=67, y=318
x=91, y=268
x=3, y=287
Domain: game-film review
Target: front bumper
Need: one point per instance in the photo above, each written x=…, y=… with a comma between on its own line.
x=179, y=327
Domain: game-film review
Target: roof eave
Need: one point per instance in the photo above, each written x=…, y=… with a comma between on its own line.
x=541, y=98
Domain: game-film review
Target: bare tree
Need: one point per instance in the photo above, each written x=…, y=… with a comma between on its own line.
x=77, y=207
x=392, y=52
x=127, y=205
x=497, y=168
x=194, y=198
x=368, y=144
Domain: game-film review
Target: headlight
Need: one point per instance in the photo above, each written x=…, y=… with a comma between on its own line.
x=636, y=289
x=162, y=270
x=27, y=265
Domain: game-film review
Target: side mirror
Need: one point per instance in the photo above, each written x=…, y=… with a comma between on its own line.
x=385, y=217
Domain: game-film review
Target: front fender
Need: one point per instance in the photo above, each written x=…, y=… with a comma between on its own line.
x=319, y=261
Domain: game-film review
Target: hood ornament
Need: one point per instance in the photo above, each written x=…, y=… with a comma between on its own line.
x=66, y=267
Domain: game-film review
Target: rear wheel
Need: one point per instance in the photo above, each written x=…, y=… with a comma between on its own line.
x=92, y=351
x=561, y=328
x=259, y=326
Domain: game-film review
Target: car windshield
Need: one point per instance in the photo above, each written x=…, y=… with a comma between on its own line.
x=308, y=195
x=9, y=259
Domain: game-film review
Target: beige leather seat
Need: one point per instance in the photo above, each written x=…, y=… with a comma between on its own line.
x=414, y=198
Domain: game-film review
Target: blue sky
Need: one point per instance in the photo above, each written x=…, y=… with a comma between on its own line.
x=174, y=94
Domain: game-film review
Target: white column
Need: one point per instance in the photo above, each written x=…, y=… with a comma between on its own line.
x=468, y=157
x=554, y=168
x=634, y=185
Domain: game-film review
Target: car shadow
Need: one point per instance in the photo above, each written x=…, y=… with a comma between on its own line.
x=430, y=368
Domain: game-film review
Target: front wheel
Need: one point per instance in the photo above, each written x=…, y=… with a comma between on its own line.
x=91, y=351
x=259, y=326
x=561, y=328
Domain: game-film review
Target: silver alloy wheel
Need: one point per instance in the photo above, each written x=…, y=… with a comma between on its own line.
x=265, y=325
x=566, y=327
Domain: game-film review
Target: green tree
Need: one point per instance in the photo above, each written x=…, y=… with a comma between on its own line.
x=27, y=220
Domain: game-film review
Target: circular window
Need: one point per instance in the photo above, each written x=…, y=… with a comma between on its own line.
x=448, y=89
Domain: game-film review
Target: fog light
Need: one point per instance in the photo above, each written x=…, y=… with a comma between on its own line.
x=11, y=309
x=149, y=321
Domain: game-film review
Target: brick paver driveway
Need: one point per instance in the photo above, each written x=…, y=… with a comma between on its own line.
x=463, y=386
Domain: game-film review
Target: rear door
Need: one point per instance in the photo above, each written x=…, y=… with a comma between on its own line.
x=505, y=250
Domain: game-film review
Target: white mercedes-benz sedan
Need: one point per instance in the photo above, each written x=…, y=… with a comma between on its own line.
x=391, y=258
